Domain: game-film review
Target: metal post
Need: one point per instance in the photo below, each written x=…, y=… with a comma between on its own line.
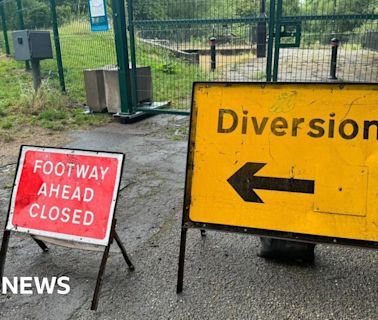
x=277, y=41
x=100, y=275
x=123, y=250
x=41, y=244
x=180, y=275
x=3, y=252
x=120, y=33
x=5, y=29
x=134, y=83
x=101, y=272
x=213, y=54
x=36, y=73
x=261, y=32
x=58, y=51
x=22, y=25
x=335, y=44
x=270, y=41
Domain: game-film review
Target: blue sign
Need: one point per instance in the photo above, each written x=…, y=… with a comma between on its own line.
x=98, y=15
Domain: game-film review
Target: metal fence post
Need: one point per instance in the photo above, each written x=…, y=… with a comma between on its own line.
x=261, y=32
x=332, y=73
x=4, y=25
x=277, y=40
x=269, y=59
x=58, y=51
x=213, y=53
x=120, y=34
x=134, y=82
x=22, y=25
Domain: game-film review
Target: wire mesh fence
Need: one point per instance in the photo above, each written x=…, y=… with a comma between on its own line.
x=81, y=49
x=350, y=22
x=172, y=39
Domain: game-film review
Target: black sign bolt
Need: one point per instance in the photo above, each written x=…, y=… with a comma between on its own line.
x=213, y=53
x=334, y=44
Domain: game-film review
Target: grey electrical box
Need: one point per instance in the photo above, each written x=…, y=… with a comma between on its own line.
x=32, y=45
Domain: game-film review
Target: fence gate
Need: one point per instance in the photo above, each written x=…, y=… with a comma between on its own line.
x=303, y=31
x=244, y=41
x=197, y=40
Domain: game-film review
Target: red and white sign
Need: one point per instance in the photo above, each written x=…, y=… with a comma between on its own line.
x=65, y=194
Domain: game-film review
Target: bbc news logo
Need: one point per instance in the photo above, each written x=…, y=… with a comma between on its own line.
x=35, y=285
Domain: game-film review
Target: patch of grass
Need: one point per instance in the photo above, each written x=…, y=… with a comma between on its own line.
x=7, y=186
x=179, y=133
x=47, y=98
x=6, y=125
x=81, y=49
x=21, y=106
x=52, y=125
x=168, y=68
x=2, y=112
x=260, y=75
x=52, y=115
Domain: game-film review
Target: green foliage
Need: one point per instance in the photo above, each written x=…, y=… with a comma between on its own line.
x=52, y=115
x=21, y=106
x=340, y=28
x=148, y=10
x=6, y=125
x=168, y=68
x=46, y=98
x=248, y=8
x=36, y=14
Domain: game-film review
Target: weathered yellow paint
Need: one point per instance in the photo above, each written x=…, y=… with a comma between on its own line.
x=343, y=166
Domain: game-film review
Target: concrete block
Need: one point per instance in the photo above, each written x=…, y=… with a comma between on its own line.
x=95, y=89
x=111, y=84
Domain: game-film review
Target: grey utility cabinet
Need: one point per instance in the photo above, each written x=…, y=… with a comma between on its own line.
x=32, y=45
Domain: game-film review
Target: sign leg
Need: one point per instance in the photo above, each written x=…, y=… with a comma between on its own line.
x=3, y=252
x=123, y=250
x=99, y=277
x=180, y=275
x=203, y=233
x=41, y=244
x=102, y=268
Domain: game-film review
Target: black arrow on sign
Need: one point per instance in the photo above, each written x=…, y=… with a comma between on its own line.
x=244, y=182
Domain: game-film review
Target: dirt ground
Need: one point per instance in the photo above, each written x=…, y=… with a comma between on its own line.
x=31, y=136
x=310, y=65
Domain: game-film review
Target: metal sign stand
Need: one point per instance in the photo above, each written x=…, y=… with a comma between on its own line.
x=180, y=274
x=112, y=236
x=243, y=182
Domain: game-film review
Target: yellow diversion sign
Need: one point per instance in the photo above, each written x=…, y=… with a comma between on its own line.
x=293, y=158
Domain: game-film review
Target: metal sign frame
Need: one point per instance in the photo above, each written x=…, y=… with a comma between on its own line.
x=187, y=223
x=103, y=242
x=111, y=233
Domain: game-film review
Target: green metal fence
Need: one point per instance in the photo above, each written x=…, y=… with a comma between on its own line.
x=319, y=22
x=298, y=36
x=177, y=46
x=79, y=48
x=255, y=40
